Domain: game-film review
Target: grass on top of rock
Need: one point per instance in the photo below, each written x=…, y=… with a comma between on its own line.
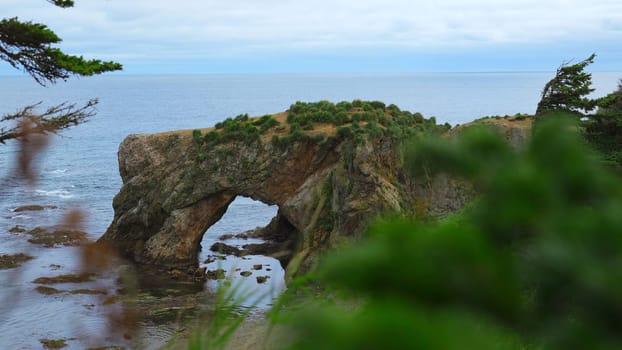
x=342, y=113
x=354, y=121
x=319, y=121
x=239, y=128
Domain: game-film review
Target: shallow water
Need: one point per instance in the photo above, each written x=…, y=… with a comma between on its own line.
x=83, y=316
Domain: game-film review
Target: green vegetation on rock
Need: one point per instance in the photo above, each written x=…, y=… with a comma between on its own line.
x=358, y=117
x=239, y=128
x=350, y=120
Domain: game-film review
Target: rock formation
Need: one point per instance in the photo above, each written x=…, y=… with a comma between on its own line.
x=327, y=189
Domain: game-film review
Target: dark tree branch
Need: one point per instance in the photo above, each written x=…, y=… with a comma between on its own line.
x=61, y=3
x=54, y=119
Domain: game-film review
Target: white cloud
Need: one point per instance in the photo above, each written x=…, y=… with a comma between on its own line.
x=221, y=28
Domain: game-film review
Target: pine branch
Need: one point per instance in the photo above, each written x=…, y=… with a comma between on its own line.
x=61, y=3
x=28, y=46
x=53, y=120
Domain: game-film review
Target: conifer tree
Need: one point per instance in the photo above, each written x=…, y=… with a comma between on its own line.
x=568, y=90
x=29, y=46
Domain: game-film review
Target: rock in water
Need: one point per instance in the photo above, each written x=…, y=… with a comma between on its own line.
x=327, y=187
x=262, y=279
x=216, y=274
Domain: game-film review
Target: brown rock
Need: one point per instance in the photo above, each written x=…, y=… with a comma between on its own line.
x=327, y=191
x=64, y=237
x=69, y=278
x=216, y=274
x=89, y=292
x=54, y=343
x=17, y=229
x=34, y=208
x=13, y=261
x=199, y=273
x=48, y=290
x=262, y=279
x=222, y=248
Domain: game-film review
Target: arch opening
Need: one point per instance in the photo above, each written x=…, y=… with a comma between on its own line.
x=250, y=245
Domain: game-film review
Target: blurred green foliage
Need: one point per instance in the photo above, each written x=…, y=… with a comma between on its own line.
x=219, y=325
x=534, y=263
x=604, y=129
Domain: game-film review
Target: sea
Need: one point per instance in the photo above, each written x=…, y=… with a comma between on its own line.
x=79, y=169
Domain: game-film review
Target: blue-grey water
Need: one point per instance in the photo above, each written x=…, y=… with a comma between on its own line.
x=79, y=169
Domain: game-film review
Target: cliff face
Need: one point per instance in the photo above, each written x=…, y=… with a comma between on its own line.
x=323, y=191
x=327, y=190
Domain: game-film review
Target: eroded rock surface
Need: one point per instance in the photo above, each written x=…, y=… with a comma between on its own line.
x=327, y=191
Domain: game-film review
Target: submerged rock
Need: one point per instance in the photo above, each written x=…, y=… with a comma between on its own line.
x=51, y=291
x=34, y=207
x=49, y=238
x=14, y=260
x=68, y=278
x=54, y=343
x=89, y=292
x=48, y=290
x=17, y=229
x=223, y=248
x=262, y=279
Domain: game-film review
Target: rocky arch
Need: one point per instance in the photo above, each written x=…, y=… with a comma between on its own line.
x=177, y=243
x=327, y=190
x=170, y=198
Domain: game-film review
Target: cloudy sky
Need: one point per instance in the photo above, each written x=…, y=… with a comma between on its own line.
x=195, y=36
